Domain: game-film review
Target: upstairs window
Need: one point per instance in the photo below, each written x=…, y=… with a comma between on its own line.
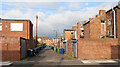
x=0, y=26
x=16, y=26
x=109, y=22
x=82, y=30
x=72, y=33
x=102, y=21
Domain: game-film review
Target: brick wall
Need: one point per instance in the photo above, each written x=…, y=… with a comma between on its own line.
x=86, y=30
x=10, y=48
x=69, y=47
x=96, y=28
x=68, y=35
x=110, y=28
x=78, y=30
x=27, y=32
x=0, y=33
x=74, y=27
x=118, y=21
x=93, y=28
x=119, y=47
x=98, y=48
x=8, y=33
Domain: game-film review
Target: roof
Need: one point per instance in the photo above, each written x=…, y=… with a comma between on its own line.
x=15, y=20
x=86, y=23
x=111, y=8
x=69, y=30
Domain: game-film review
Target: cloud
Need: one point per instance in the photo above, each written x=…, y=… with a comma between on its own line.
x=54, y=21
x=75, y=5
x=32, y=5
x=86, y=4
x=60, y=0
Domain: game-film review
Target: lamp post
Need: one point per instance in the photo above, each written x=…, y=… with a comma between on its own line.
x=56, y=33
x=36, y=29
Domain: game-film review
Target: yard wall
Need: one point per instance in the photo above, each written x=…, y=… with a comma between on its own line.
x=98, y=48
x=69, y=47
x=11, y=48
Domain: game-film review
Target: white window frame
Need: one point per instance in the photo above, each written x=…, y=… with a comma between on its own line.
x=16, y=26
x=109, y=22
x=0, y=26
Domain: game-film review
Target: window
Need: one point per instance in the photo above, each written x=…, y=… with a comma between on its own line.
x=0, y=26
x=82, y=30
x=102, y=21
x=72, y=33
x=109, y=22
x=110, y=31
x=16, y=26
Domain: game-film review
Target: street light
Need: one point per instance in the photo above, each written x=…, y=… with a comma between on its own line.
x=56, y=33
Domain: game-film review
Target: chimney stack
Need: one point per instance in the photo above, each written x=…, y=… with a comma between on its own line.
x=78, y=25
x=91, y=19
x=101, y=12
x=74, y=27
x=96, y=15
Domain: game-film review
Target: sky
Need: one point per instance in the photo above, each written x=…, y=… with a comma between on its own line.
x=54, y=15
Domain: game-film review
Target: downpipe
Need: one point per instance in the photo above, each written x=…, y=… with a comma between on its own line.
x=114, y=23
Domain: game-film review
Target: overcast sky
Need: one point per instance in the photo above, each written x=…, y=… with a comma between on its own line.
x=53, y=15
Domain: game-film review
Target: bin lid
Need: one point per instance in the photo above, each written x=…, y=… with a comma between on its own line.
x=30, y=49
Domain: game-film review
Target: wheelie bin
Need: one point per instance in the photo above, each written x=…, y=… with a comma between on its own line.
x=61, y=51
x=30, y=52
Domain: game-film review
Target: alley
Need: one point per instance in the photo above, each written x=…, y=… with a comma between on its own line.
x=48, y=56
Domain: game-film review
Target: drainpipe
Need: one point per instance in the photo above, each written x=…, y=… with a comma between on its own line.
x=114, y=23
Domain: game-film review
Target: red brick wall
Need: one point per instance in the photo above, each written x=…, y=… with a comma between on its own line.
x=78, y=30
x=93, y=28
x=69, y=47
x=68, y=35
x=10, y=48
x=0, y=33
x=98, y=48
x=86, y=30
x=109, y=15
x=119, y=47
x=27, y=32
x=8, y=33
x=118, y=22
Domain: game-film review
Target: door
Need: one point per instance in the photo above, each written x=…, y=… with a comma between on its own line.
x=75, y=49
x=65, y=45
x=23, y=49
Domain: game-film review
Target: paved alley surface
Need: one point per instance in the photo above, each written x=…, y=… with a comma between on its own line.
x=47, y=57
